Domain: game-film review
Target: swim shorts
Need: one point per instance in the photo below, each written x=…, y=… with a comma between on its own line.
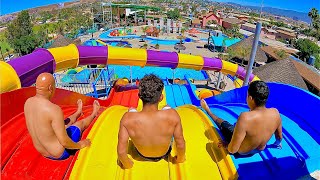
x=75, y=134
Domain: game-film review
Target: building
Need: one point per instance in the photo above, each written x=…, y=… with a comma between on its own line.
x=248, y=27
x=287, y=36
x=268, y=33
x=265, y=32
x=210, y=17
x=227, y=23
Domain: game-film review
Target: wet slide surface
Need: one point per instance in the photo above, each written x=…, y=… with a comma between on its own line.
x=19, y=158
x=204, y=161
x=289, y=162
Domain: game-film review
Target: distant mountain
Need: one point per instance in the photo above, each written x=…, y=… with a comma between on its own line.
x=301, y=16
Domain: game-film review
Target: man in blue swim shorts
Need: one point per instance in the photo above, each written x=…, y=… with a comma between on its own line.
x=254, y=128
x=52, y=136
x=151, y=130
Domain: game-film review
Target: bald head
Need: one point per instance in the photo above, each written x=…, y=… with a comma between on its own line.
x=45, y=84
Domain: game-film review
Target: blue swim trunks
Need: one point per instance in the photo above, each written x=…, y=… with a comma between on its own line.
x=75, y=134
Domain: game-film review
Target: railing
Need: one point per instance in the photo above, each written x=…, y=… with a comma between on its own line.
x=91, y=82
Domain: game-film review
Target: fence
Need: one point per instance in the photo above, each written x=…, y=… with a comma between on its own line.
x=94, y=82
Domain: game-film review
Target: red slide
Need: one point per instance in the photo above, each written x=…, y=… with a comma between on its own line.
x=19, y=159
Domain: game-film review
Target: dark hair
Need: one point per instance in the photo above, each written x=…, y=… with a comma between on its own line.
x=150, y=89
x=259, y=91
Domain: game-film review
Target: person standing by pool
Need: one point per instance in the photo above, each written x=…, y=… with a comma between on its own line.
x=254, y=128
x=52, y=136
x=151, y=130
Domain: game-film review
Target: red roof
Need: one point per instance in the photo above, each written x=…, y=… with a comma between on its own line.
x=193, y=31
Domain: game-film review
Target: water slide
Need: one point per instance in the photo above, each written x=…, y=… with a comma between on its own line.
x=301, y=131
x=22, y=161
x=19, y=159
x=22, y=71
x=204, y=160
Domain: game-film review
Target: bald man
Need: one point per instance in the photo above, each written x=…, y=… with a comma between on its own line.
x=52, y=136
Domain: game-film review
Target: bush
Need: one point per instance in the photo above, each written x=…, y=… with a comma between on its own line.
x=317, y=62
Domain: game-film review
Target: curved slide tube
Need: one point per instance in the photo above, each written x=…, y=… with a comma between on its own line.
x=22, y=71
x=299, y=155
x=204, y=159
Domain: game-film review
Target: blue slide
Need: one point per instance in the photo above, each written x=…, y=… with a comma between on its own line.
x=177, y=95
x=300, y=153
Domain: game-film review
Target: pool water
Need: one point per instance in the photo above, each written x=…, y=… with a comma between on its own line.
x=161, y=72
x=218, y=40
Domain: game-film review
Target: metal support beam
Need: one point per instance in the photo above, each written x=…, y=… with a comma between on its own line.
x=253, y=53
x=219, y=80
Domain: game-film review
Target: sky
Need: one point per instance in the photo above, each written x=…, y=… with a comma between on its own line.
x=10, y=6
x=297, y=5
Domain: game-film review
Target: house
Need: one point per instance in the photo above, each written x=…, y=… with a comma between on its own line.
x=268, y=33
x=227, y=23
x=281, y=34
x=210, y=17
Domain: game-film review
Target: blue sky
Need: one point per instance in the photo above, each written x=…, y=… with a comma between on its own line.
x=9, y=6
x=297, y=5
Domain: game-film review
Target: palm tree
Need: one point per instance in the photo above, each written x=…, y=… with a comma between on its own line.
x=313, y=14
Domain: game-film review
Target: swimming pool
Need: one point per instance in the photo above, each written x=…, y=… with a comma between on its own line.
x=111, y=43
x=162, y=72
x=222, y=40
x=150, y=40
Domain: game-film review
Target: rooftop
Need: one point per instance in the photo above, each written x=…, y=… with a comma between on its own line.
x=285, y=29
x=249, y=25
x=232, y=20
x=286, y=33
x=247, y=44
x=308, y=75
x=272, y=52
x=281, y=71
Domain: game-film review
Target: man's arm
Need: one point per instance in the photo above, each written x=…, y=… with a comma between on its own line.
x=123, y=137
x=61, y=133
x=179, y=139
x=278, y=134
x=238, y=135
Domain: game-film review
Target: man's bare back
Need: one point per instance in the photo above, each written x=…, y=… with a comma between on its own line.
x=259, y=125
x=46, y=125
x=151, y=130
x=254, y=128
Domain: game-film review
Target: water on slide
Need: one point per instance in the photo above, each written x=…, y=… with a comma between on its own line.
x=204, y=159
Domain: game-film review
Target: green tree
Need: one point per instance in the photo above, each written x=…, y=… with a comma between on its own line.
x=173, y=14
x=307, y=48
x=317, y=62
x=20, y=34
x=314, y=15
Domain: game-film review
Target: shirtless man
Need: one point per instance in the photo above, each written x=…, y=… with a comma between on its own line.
x=254, y=128
x=151, y=130
x=52, y=136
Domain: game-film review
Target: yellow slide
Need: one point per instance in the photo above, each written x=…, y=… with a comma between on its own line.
x=204, y=159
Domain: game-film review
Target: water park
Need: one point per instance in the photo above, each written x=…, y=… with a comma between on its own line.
x=107, y=67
